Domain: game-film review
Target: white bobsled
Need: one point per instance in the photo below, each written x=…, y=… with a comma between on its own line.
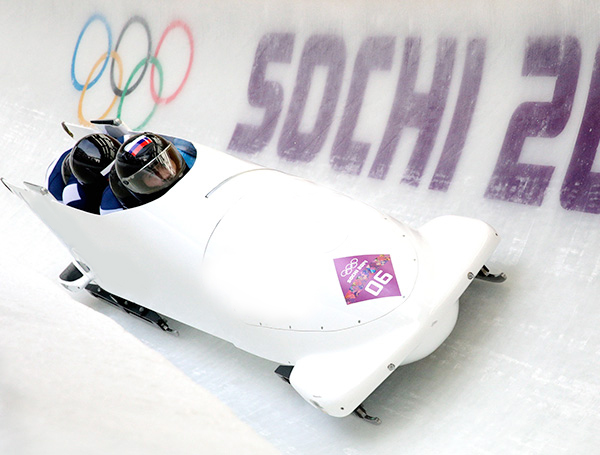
x=335, y=291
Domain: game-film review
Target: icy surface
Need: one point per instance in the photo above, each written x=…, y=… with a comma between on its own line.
x=73, y=382
x=519, y=374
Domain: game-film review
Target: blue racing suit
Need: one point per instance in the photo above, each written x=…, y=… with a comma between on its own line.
x=73, y=193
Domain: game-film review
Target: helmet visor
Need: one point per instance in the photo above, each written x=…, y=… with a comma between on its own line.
x=160, y=173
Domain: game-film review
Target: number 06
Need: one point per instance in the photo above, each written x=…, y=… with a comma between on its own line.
x=375, y=286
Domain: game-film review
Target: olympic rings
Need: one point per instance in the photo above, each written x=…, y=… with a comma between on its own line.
x=87, y=85
x=186, y=29
x=140, y=68
x=144, y=62
x=349, y=267
x=144, y=24
x=102, y=19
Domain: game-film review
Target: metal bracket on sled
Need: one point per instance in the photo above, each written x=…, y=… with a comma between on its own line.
x=131, y=308
x=485, y=275
x=74, y=277
x=362, y=413
x=284, y=372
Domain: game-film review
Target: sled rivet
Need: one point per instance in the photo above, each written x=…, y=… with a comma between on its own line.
x=391, y=367
x=470, y=275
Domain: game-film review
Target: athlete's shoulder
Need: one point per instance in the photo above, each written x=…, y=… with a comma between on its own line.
x=54, y=179
x=109, y=202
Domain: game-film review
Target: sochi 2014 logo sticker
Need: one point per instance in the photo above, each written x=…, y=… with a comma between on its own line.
x=366, y=277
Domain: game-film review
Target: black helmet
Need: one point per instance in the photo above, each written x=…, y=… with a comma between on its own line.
x=148, y=166
x=127, y=199
x=92, y=157
x=65, y=170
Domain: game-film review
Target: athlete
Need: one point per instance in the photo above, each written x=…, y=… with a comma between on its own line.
x=115, y=196
x=146, y=167
x=79, y=176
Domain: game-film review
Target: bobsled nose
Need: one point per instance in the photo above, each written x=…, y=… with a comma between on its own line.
x=458, y=247
x=460, y=241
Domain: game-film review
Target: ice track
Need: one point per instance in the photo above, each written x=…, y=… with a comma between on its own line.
x=482, y=108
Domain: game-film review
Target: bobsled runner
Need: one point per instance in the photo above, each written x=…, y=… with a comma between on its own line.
x=336, y=292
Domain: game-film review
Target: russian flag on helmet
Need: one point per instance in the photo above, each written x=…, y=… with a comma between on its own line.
x=135, y=147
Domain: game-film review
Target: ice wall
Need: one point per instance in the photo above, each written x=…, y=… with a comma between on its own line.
x=422, y=108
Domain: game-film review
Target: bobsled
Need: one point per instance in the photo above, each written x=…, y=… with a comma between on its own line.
x=336, y=292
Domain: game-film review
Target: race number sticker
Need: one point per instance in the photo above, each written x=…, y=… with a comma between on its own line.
x=367, y=277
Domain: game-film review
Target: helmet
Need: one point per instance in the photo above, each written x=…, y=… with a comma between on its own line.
x=148, y=166
x=127, y=199
x=91, y=158
x=65, y=169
